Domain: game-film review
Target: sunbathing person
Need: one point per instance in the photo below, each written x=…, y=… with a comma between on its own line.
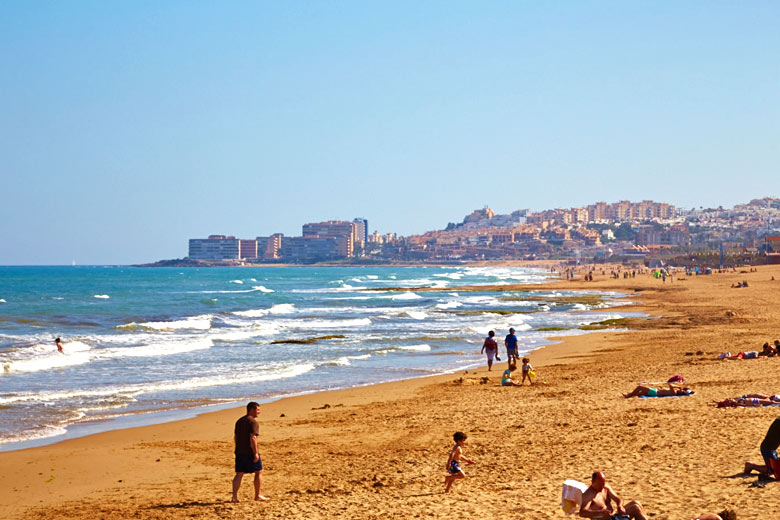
x=768, y=350
x=648, y=391
x=600, y=501
x=750, y=354
x=745, y=401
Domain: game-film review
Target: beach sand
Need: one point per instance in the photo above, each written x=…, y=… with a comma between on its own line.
x=380, y=451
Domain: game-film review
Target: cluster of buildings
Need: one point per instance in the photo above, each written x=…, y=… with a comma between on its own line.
x=622, y=229
x=631, y=230
x=319, y=241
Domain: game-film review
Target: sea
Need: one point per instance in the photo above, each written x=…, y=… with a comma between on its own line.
x=149, y=345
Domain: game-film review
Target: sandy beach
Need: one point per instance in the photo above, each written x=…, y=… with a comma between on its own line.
x=379, y=451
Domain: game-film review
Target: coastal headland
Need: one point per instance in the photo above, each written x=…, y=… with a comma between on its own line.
x=379, y=451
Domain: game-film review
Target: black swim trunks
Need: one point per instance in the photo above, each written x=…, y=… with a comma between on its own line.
x=246, y=463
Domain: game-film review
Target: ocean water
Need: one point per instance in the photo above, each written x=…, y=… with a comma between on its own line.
x=155, y=343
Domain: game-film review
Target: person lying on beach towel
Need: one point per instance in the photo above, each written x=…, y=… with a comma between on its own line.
x=646, y=391
x=750, y=354
x=750, y=400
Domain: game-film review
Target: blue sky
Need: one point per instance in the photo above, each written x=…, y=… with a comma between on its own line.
x=129, y=127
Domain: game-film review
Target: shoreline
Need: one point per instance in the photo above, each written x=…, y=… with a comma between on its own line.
x=376, y=449
x=154, y=417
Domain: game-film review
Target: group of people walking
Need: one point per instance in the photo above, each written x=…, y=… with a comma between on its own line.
x=490, y=349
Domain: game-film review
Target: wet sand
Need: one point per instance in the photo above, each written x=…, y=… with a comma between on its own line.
x=379, y=451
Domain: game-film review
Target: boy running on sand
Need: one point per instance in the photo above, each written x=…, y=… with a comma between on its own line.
x=453, y=463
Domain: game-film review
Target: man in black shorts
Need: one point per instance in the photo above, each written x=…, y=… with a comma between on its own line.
x=247, y=456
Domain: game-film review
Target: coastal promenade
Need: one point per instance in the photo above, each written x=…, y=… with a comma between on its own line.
x=379, y=451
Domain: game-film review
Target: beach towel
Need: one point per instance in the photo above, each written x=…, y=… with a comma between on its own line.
x=571, y=496
x=655, y=396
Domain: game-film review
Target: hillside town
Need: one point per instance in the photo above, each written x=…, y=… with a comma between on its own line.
x=620, y=231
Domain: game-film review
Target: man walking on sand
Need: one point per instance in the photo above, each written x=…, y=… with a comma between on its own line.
x=510, y=342
x=597, y=502
x=247, y=456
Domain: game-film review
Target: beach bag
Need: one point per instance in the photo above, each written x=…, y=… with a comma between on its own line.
x=571, y=496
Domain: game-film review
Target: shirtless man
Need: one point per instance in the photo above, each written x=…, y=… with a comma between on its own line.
x=597, y=502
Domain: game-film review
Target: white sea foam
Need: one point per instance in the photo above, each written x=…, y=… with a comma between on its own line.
x=237, y=281
x=39, y=432
x=406, y=296
x=256, y=288
x=372, y=277
x=46, y=362
x=133, y=390
x=449, y=305
x=453, y=276
x=77, y=353
x=279, y=308
x=416, y=348
x=196, y=323
x=345, y=360
x=409, y=348
x=2, y=301
x=102, y=296
x=417, y=315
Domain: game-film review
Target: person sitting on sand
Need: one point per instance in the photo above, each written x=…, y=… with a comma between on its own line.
x=453, y=462
x=673, y=390
x=506, y=378
x=769, y=445
x=598, y=498
x=490, y=347
x=726, y=514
